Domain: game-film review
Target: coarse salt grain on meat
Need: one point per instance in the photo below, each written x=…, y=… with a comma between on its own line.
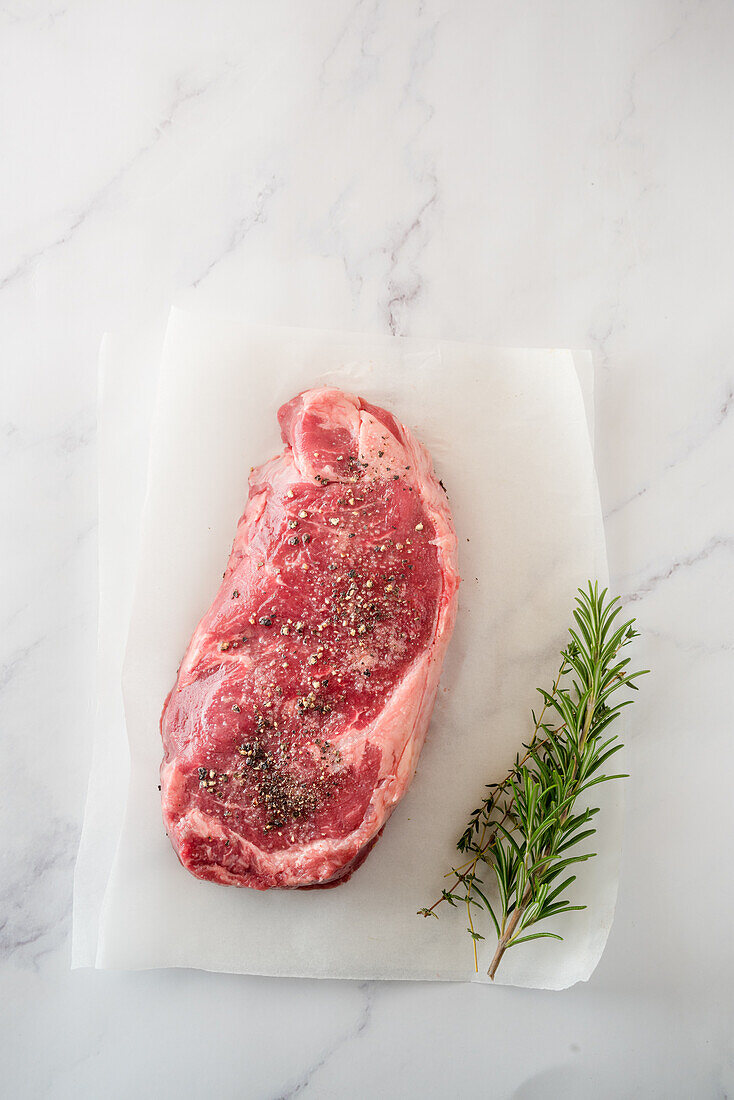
x=303, y=700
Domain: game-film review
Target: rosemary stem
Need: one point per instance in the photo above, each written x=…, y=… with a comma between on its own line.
x=533, y=744
x=507, y=933
x=523, y=829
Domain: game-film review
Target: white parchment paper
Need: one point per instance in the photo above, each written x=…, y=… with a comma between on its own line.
x=508, y=433
x=128, y=375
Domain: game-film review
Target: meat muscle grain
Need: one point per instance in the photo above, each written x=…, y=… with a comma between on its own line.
x=302, y=703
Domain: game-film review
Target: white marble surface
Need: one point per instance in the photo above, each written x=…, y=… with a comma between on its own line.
x=534, y=173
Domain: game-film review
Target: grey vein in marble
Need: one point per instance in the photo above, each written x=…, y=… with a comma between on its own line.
x=404, y=278
x=96, y=202
x=44, y=19
x=404, y=281
x=718, y=542
x=305, y=1081
x=35, y=912
x=718, y=418
x=256, y=215
x=361, y=23
x=17, y=659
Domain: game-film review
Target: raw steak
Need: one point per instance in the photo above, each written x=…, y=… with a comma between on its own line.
x=303, y=700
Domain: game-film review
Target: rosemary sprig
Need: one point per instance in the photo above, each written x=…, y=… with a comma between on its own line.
x=525, y=829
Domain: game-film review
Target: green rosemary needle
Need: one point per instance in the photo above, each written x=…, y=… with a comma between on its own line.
x=524, y=833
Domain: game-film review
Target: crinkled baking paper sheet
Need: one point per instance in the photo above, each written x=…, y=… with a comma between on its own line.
x=509, y=435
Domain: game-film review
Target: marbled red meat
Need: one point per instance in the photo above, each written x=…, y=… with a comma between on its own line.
x=302, y=702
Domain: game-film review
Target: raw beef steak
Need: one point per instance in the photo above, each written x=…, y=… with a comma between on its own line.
x=302, y=702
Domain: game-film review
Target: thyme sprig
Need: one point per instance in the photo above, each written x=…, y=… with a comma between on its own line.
x=524, y=832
